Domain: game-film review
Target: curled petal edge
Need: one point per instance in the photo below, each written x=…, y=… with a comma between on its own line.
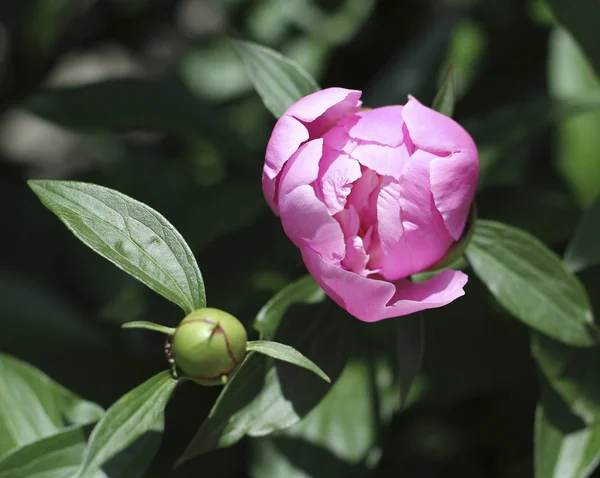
x=371, y=300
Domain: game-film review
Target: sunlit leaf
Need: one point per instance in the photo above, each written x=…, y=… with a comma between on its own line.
x=139, y=411
x=304, y=291
x=130, y=234
x=333, y=439
x=565, y=446
x=279, y=81
x=531, y=282
x=570, y=371
x=56, y=456
x=60, y=456
x=34, y=407
x=287, y=354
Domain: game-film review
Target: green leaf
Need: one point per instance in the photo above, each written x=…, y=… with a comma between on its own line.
x=134, y=461
x=287, y=354
x=581, y=19
x=564, y=445
x=571, y=77
x=333, y=440
x=531, y=282
x=135, y=413
x=410, y=333
x=567, y=430
x=56, y=456
x=572, y=373
x=129, y=234
x=446, y=96
x=34, y=407
x=340, y=437
x=266, y=395
x=584, y=249
x=303, y=291
x=279, y=81
x=60, y=456
x=294, y=458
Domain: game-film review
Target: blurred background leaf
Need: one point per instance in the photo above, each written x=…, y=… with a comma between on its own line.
x=584, y=249
x=582, y=20
x=571, y=76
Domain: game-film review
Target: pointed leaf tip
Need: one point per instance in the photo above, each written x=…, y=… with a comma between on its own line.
x=287, y=354
x=130, y=234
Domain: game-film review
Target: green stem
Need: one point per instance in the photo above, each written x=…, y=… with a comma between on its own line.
x=140, y=324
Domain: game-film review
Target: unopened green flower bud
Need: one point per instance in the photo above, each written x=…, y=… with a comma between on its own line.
x=209, y=345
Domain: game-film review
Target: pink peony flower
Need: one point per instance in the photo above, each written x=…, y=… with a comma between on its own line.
x=372, y=197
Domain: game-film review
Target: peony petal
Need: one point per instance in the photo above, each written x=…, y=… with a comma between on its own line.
x=302, y=168
x=380, y=125
x=356, y=258
x=349, y=220
x=371, y=299
x=308, y=224
x=325, y=108
x=285, y=140
x=389, y=226
x=411, y=230
x=435, y=292
x=453, y=184
x=363, y=297
x=363, y=195
x=433, y=132
x=385, y=160
x=337, y=172
x=338, y=138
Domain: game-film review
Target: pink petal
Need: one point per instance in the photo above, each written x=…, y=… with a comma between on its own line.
x=310, y=227
x=338, y=138
x=389, y=225
x=453, y=184
x=356, y=258
x=436, y=292
x=286, y=138
x=412, y=233
x=433, y=132
x=364, y=195
x=337, y=172
x=302, y=168
x=349, y=220
x=325, y=108
x=385, y=160
x=380, y=125
x=371, y=299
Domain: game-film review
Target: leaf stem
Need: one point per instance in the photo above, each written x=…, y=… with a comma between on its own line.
x=140, y=324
